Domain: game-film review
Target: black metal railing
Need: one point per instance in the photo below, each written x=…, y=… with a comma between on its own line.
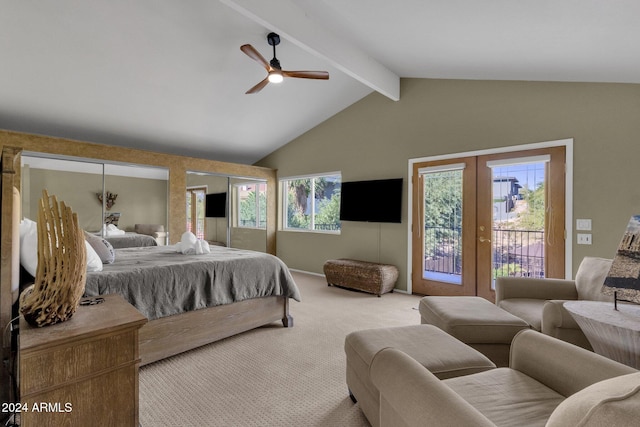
x=252, y=223
x=515, y=252
x=327, y=227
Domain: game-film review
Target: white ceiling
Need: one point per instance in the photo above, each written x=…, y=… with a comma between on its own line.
x=168, y=75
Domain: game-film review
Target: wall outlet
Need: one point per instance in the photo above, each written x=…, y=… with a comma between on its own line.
x=584, y=239
x=583, y=224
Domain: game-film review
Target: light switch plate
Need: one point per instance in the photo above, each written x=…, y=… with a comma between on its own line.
x=584, y=239
x=583, y=224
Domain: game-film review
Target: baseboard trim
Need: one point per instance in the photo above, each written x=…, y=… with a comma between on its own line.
x=307, y=272
x=401, y=291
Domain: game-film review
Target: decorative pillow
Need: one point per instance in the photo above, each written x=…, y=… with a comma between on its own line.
x=93, y=260
x=29, y=246
x=29, y=249
x=615, y=401
x=103, y=248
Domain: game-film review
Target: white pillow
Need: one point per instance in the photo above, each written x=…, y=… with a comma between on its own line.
x=29, y=246
x=29, y=249
x=93, y=260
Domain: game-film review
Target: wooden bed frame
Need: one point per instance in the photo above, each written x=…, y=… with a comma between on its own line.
x=159, y=338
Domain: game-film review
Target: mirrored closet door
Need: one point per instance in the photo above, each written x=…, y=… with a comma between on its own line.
x=227, y=210
x=100, y=193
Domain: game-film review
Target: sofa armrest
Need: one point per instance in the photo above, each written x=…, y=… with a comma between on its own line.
x=527, y=287
x=555, y=316
x=563, y=367
x=410, y=395
x=160, y=236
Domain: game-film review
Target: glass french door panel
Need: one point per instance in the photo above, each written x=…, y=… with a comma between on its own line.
x=196, y=211
x=442, y=255
x=518, y=228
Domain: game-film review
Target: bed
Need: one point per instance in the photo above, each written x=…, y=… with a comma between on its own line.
x=168, y=333
x=131, y=239
x=164, y=285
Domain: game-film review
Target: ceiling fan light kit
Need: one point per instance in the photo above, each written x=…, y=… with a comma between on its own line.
x=275, y=73
x=275, y=77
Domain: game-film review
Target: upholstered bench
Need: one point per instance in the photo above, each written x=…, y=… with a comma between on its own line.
x=364, y=276
x=474, y=321
x=439, y=352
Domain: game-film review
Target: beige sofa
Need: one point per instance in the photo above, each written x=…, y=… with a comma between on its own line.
x=154, y=230
x=549, y=382
x=539, y=301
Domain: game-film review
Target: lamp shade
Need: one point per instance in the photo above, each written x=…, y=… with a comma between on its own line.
x=623, y=279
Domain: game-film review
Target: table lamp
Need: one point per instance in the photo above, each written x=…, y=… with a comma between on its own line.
x=623, y=280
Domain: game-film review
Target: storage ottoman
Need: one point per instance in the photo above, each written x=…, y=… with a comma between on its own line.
x=439, y=352
x=474, y=321
x=364, y=276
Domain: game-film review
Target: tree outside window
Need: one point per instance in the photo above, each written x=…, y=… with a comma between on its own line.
x=252, y=205
x=312, y=203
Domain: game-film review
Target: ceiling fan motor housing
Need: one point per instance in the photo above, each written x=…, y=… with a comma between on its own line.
x=273, y=39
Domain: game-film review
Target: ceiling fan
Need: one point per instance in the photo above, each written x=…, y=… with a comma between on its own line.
x=275, y=72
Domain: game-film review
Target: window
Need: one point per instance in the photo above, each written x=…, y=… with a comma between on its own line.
x=196, y=211
x=251, y=199
x=312, y=203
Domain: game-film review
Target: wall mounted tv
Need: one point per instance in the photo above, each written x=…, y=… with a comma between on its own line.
x=216, y=205
x=372, y=201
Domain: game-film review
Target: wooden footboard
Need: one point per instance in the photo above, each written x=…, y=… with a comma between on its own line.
x=168, y=336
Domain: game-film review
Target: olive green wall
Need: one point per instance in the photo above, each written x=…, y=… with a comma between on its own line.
x=140, y=200
x=376, y=137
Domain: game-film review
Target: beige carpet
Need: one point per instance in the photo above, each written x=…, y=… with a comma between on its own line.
x=273, y=376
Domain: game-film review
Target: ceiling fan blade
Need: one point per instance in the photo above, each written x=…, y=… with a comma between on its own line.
x=257, y=88
x=252, y=53
x=320, y=75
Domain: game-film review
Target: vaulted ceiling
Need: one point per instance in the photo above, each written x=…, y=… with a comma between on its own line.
x=168, y=75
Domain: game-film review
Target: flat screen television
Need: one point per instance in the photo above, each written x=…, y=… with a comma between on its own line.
x=216, y=205
x=372, y=201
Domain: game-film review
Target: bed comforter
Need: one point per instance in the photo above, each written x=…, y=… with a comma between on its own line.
x=131, y=240
x=161, y=282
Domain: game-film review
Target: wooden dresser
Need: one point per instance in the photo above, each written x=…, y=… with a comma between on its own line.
x=83, y=371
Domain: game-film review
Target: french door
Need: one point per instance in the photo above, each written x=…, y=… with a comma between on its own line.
x=196, y=197
x=476, y=218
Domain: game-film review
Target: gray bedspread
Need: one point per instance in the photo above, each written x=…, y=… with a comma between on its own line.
x=131, y=240
x=161, y=282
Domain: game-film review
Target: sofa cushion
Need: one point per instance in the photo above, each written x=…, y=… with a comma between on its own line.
x=442, y=354
x=507, y=397
x=615, y=401
x=472, y=320
x=590, y=278
x=528, y=309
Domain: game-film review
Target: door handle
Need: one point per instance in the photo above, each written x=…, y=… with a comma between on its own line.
x=482, y=240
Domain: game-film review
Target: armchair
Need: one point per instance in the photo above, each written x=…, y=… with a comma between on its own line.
x=539, y=301
x=154, y=230
x=547, y=381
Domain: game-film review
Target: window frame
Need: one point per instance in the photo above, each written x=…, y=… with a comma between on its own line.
x=238, y=201
x=283, y=205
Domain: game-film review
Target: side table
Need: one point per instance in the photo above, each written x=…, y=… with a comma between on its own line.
x=84, y=371
x=612, y=333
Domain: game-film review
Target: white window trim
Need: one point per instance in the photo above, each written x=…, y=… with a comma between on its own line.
x=237, y=202
x=283, y=203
